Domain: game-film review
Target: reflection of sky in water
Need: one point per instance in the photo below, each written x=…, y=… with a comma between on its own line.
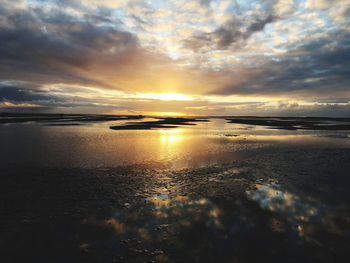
x=181, y=222
x=295, y=208
x=165, y=207
x=167, y=216
x=95, y=145
x=163, y=210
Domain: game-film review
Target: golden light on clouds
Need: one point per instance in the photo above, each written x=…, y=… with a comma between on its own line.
x=167, y=96
x=176, y=57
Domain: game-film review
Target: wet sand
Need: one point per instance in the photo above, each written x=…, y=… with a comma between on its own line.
x=287, y=204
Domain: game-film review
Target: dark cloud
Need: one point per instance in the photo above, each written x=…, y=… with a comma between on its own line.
x=318, y=68
x=198, y=41
x=260, y=23
x=334, y=100
x=25, y=93
x=234, y=32
x=13, y=94
x=228, y=34
x=53, y=47
x=205, y=2
x=138, y=19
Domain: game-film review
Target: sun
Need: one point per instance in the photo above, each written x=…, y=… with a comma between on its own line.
x=167, y=96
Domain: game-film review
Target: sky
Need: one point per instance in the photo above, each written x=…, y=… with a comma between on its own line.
x=183, y=57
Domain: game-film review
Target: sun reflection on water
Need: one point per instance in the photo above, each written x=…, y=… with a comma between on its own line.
x=171, y=142
x=171, y=138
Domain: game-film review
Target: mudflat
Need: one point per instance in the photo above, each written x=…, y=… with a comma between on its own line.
x=276, y=195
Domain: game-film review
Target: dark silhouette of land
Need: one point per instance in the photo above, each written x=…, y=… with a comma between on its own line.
x=163, y=123
x=62, y=118
x=286, y=123
x=296, y=123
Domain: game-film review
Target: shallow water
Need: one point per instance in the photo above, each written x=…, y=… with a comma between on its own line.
x=95, y=145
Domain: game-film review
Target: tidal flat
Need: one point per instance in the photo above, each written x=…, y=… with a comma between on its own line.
x=214, y=191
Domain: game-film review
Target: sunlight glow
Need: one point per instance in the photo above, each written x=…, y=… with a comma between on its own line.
x=171, y=139
x=165, y=114
x=167, y=96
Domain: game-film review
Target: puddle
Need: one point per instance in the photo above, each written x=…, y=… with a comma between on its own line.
x=307, y=218
x=294, y=207
x=169, y=224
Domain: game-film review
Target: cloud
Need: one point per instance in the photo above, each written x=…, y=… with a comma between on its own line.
x=80, y=54
x=14, y=94
x=27, y=95
x=318, y=68
x=233, y=31
x=287, y=105
x=52, y=47
x=285, y=7
x=322, y=4
x=88, y=4
x=333, y=101
x=205, y=2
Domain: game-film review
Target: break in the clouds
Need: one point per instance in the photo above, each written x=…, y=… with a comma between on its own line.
x=287, y=57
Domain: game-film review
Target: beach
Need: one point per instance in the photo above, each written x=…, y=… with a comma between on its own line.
x=213, y=191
